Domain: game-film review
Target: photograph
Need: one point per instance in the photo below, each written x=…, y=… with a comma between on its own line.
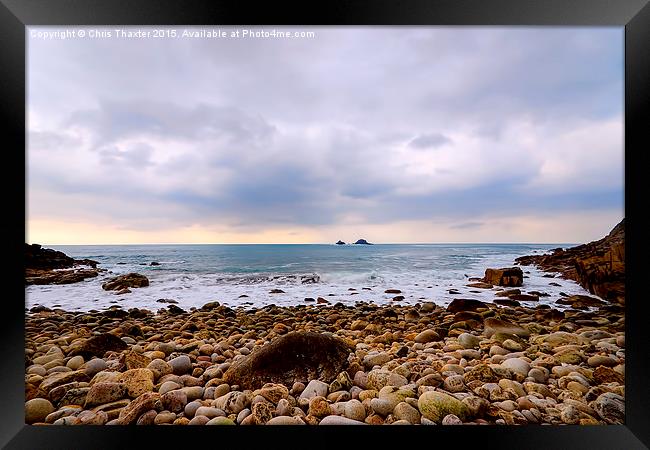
x=324, y=225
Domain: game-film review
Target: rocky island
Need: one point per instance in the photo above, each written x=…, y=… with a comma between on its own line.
x=512, y=361
x=362, y=242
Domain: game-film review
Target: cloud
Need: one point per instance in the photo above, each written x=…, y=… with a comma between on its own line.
x=431, y=140
x=467, y=225
x=246, y=136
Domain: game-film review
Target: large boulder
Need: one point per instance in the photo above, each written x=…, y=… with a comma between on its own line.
x=296, y=356
x=97, y=346
x=129, y=280
x=509, y=276
x=465, y=304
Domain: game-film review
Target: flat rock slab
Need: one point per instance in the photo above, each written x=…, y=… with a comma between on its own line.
x=129, y=280
x=296, y=356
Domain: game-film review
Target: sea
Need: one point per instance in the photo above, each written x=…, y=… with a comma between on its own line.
x=246, y=275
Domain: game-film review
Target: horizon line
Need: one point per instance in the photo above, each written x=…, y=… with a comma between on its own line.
x=317, y=243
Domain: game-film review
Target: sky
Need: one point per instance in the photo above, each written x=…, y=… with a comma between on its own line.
x=392, y=134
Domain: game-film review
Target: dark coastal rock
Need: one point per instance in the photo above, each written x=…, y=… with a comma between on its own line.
x=580, y=301
x=154, y=263
x=362, y=242
x=309, y=279
x=465, y=304
x=296, y=356
x=598, y=266
x=129, y=280
x=37, y=257
x=98, y=346
x=175, y=310
x=340, y=243
x=40, y=277
x=40, y=265
x=506, y=302
x=509, y=276
x=480, y=285
x=524, y=297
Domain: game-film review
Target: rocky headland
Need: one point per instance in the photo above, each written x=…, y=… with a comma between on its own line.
x=598, y=266
x=48, y=266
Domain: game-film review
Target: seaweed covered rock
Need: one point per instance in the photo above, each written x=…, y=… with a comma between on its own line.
x=296, y=356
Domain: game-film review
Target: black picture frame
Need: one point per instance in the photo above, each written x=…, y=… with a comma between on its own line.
x=16, y=15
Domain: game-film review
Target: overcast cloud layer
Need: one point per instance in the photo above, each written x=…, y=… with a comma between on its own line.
x=393, y=134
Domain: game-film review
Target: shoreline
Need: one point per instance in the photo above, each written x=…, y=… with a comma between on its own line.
x=468, y=363
x=516, y=360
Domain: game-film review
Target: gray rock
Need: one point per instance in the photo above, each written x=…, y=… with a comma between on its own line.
x=451, y=419
x=193, y=392
x=315, y=388
x=285, y=420
x=401, y=422
x=340, y=420
x=468, y=340
x=404, y=411
x=382, y=407
x=209, y=411
x=243, y=414
x=220, y=421
x=199, y=420
x=168, y=386
x=94, y=366
x=354, y=410
x=190, y=408
x=517, y=365
x=181, y=364
x=376, y=359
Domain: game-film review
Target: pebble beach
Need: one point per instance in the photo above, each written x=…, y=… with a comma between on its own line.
x=467, y=363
